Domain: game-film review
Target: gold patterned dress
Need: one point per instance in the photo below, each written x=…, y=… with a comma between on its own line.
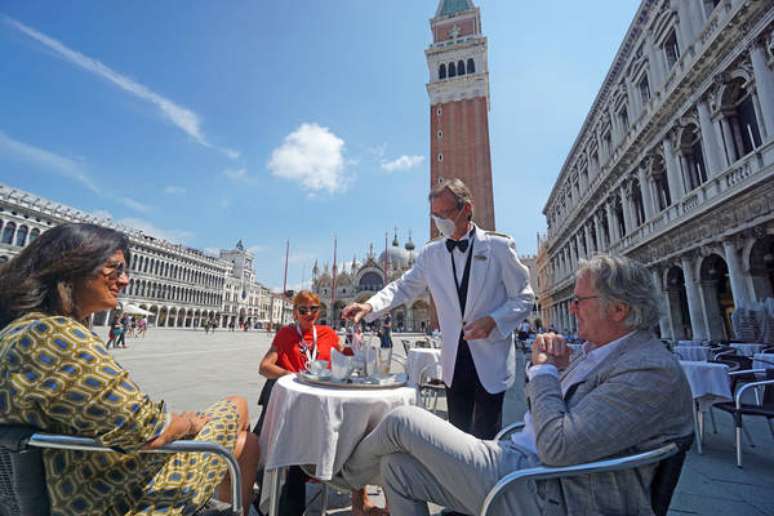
x=56, y=375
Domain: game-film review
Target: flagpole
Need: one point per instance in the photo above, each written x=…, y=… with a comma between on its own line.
x=285, y=281
x=333, y=288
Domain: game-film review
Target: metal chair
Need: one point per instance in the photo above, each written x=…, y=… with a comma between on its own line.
x=23, y=477
x=670, y=459
x=429, y=388
x=764, y=407
x=406, y=345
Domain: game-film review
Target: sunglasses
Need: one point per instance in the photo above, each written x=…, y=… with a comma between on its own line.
x=114, y=270
x=303, y=310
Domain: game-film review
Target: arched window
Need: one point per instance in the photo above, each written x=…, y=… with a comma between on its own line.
x=35, y=233
x=693, y=157
x=471, y=66
x=661, y=183
x=21, y=236
x=452, y=70
x=742, y=123
x=8, y=233
x=639, y=205
x=442, y=71
x=460, y=67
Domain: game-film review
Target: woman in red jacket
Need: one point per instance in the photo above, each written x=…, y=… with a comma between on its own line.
x=295, y=346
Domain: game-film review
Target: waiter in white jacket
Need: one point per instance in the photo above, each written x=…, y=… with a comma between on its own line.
x=481, y=291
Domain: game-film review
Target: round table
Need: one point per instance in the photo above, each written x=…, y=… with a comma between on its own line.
x=747, y=350
x=758, y=361
x=418, y=359
x=319, y=426
x=709, y=382
x=688, y=342
x=692, y=353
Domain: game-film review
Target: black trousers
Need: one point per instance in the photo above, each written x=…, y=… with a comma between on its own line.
x=471, y=408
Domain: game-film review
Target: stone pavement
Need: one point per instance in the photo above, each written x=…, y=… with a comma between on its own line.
x=190, y=370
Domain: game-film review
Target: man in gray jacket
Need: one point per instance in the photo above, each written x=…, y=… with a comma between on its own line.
x=624, y=393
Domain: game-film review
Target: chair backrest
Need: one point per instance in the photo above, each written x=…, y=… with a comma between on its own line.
x=667, y=475
x=406, y=345
x=22, y=477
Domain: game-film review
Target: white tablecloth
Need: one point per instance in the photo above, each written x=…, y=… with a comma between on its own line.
x=695, y=353
x=709, y=382
x=320, y=426
x=768, y=357
x=747, y=350
x=418, y=359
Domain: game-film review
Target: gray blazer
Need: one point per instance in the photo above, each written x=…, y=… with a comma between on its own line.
x=636, y=399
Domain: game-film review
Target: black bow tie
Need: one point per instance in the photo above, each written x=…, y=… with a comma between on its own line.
x=462, y=244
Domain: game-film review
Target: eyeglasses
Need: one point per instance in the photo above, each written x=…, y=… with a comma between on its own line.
x=114, y=270
x=303, y=310
x=576, y=300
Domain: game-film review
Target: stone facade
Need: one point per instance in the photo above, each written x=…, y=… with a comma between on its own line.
x=673, y=167
x=459, y=105
x=181, y=286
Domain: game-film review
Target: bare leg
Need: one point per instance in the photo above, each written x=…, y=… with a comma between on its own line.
x=247, y=453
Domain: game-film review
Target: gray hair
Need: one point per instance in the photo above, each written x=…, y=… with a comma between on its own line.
x=619, y=279
x=458, y=189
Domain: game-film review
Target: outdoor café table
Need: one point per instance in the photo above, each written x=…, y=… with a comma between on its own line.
x=418, y=359
x=763, y=361
x=747, y=350
x=318, y=426
x=709, y=385
x=693, y=353
x=688, y=342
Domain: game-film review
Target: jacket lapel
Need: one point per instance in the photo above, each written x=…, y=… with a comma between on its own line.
x=479, y=266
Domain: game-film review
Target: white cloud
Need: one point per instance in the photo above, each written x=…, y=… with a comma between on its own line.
x=134, y=204
x=64, y=167
x=237, y=174
x=147, y=227
x=313, y=157
x=403, y=163
x=174, y=190
x=182, y=117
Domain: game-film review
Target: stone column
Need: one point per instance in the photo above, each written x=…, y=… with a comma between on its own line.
x=587, y=240
x=613, y=232
x=627, y=212
x=647, y=197
x=698, y=327
x=764, y=83
x=663, y=321
x=729, y=138
x=736, y=276
x=709, y=143
x=673, y=175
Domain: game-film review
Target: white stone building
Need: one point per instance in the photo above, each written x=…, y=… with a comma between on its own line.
x=181, y=286
x=673, y=166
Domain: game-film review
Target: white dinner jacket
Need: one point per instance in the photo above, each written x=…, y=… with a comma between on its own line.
x=498, y=287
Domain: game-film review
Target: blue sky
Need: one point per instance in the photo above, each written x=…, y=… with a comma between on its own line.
x=210, y=122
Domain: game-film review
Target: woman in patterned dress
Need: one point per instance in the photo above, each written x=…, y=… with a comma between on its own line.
x=56, y=375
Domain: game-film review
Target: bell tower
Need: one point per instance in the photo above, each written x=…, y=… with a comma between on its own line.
x=459, y=105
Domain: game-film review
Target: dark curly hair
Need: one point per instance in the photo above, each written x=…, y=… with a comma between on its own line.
x=41, y=277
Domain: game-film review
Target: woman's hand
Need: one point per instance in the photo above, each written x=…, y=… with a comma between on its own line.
x=196, y=422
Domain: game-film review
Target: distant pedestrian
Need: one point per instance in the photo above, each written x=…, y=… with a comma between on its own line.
x=386, y=338
x=142, y=326
x=114, y=332
x=121, y=342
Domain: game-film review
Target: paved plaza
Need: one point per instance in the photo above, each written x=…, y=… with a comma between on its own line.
x=190, y=370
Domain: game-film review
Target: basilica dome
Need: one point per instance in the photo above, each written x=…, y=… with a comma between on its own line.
x=397, y=256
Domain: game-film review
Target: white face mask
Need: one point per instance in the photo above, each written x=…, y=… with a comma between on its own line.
x=445, y=226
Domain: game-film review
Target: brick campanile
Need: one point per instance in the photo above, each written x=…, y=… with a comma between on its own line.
x=459, y=105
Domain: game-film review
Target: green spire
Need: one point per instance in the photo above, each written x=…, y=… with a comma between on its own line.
x=452, y=7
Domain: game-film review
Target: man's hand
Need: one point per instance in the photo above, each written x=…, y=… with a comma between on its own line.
x=479, y=329
x=550, y=348
x=356, y=311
